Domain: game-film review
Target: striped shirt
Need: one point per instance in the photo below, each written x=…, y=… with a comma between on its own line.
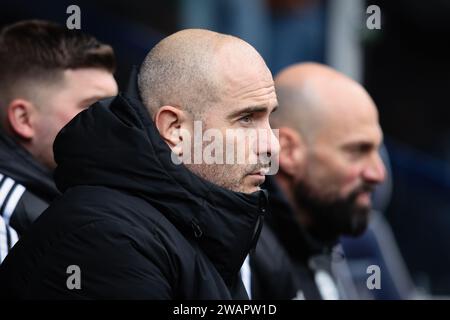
x=10, y=194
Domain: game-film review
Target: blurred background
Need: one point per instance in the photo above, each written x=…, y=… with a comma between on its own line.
x=405, y=66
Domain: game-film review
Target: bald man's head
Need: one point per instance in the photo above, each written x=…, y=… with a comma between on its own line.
x=329, y=136
x=223, y=83
x=186, y=69
x=311, y=95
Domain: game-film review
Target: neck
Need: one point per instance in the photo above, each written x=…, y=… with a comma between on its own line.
x=287, y=185
x=303, y=216
x=33, y=152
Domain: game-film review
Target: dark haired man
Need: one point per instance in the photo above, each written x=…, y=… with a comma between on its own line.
x=48, y=75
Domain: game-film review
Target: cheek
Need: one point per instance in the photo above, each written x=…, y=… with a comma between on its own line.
x=46, y=131
x=255, y=146
x=332, y=177
x=70, y=114
x=62, y=117
x=350, y=179
x=250, y=149
x=240, y=146
x=53, y=122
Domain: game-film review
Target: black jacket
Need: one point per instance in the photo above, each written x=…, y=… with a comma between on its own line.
x=308, y=255
x=273, y=276
x=136, y=225
x=26, y=189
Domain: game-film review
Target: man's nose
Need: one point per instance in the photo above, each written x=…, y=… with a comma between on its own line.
x=268, y=143
x=375, y=171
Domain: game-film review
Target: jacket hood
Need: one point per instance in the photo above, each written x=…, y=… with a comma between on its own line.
x=115, y=144
x=18, y=164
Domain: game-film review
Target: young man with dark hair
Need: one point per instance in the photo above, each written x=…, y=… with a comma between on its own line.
x=48, y=75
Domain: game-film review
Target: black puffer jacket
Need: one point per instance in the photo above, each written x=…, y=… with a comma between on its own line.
x=136, y=225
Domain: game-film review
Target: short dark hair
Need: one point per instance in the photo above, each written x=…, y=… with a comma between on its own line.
x=40, y=50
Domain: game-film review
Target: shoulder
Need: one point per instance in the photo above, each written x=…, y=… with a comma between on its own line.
x=19, y=207
x=86, y=214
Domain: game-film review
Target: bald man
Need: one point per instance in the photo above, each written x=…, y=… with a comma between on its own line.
x=329, y=164
x=138, y=218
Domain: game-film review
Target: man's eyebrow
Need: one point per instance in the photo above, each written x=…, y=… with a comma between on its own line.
x=359, y=143
x=248, y=110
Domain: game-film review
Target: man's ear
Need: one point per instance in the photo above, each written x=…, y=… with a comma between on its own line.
x=20, y=115
x=292, y=151
x=169, y=121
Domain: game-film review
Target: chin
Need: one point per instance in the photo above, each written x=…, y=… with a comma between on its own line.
x=251, y=189
x=360, y=224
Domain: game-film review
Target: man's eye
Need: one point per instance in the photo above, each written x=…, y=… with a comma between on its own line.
x=360, y=150
x=246, y=119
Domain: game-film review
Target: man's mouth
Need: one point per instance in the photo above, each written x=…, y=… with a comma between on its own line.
x=261, y=171
x=364, y=197
x=258, y=176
